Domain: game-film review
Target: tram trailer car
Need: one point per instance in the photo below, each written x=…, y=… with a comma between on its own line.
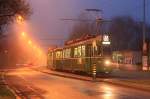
x=81, y=55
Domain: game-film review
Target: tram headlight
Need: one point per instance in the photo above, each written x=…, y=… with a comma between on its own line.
x=107, y=62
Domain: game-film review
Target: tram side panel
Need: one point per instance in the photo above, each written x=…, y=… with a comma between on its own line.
x=88, y=59
x=50, y=60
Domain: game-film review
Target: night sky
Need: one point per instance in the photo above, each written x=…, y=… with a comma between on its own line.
x=45, y=21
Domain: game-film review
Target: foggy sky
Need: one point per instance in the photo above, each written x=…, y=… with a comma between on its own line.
x=46, y=22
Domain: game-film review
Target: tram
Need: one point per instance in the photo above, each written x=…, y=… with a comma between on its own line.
x=81, y=54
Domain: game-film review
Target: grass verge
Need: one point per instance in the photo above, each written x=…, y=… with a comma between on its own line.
x=5, y=93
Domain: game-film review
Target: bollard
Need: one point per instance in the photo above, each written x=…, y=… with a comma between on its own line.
x=94, y=72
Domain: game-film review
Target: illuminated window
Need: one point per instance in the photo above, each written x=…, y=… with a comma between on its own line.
x=79, y=51
x=67, y=53
x=64, y=53
x=59, y=54
x=75, y=52
x=83, y=50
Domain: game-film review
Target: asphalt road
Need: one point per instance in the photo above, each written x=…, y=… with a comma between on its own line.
x=54, y=87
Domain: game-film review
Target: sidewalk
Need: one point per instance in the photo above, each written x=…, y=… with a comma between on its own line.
x=131, y=74
x=140, y=84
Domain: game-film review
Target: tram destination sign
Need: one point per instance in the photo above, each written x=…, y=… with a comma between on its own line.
x=106, y=40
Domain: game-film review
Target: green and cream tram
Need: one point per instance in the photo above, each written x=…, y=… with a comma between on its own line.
x=81, y=54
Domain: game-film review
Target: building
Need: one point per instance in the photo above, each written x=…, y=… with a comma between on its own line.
x=128, y=59
x=149, y=55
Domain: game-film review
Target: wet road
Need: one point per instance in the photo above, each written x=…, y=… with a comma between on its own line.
x=53, y=87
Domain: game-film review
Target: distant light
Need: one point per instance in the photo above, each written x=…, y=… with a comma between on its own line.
x=107, y=62
x=23, y=34
x=29, y=42
x=106, y=43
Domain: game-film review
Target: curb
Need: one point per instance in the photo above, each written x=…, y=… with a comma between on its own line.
x=65, y=76
x=129, y=86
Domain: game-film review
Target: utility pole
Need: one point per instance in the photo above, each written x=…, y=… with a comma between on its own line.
x=144, y=21
x=144, y=50
x=98, y=18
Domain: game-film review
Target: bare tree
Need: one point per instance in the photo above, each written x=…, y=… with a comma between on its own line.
x=9, y=9
x=126, y=33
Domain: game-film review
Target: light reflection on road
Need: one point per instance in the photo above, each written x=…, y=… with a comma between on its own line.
x=65, y=88
x=108, y=92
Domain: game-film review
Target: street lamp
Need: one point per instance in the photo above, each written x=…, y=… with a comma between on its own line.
x=19, y=19
x=29, y=42
x=23, y=34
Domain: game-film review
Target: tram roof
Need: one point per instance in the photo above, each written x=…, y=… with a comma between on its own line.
x=54, y=49
x=82, y=40
x=85, y=39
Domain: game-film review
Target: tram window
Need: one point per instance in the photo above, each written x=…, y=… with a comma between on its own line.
x=64, y=53
x=83, y=50
x=76, y=52
x=79, y=51
x=67, y=53
x=59, y=54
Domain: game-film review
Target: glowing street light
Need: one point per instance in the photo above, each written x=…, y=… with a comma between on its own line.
x=23, y=34
x=29, y=42
x=19, y=19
